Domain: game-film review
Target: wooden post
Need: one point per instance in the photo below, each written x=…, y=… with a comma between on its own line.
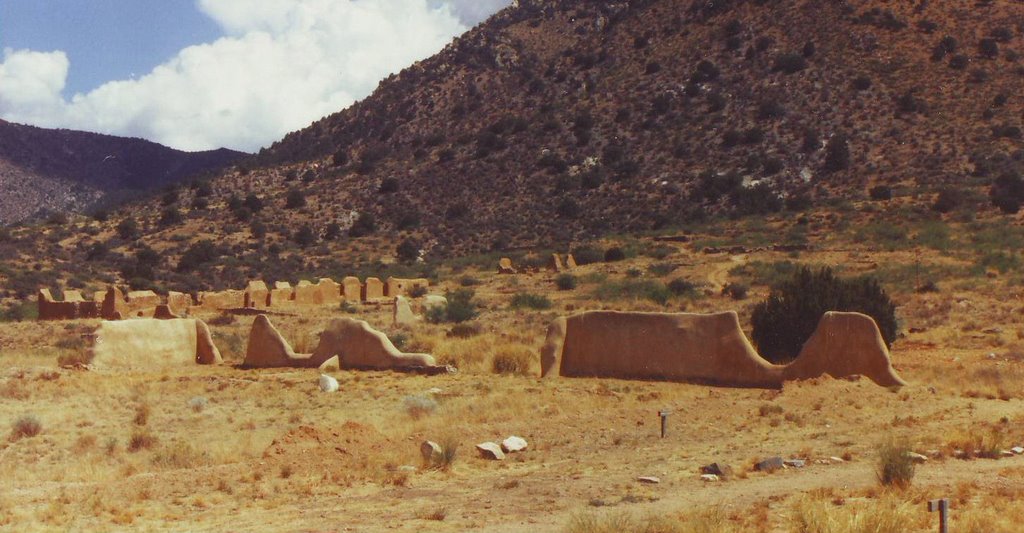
x=664, y=422
x=942, y=506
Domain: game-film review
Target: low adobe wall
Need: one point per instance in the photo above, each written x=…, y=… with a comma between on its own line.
x=150, y=343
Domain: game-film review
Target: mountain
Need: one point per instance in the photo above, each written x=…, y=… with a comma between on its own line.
x=556, y=122
x=46, y=170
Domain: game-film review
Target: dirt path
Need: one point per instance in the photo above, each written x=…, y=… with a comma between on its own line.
x=690, y=495
x=719, y=275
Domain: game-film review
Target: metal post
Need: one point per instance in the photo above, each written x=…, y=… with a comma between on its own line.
x=942, y=506
x=664, y=422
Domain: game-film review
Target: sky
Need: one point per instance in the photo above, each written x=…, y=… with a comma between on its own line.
x=205, y=74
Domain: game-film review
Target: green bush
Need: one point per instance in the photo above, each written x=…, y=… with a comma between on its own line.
x=20, y=311
x=634, y=289
x=525, y=300
x=736, y=291
x=565, y=282
x=682, y=287
x=614, y=254
x=460, y=308
x=586, y=255
x=783, y=322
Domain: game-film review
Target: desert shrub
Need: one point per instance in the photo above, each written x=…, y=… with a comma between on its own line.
x=634, y=272
x=565, y=282
x=465, y=330
x=661, y=269
x=169, y=217
x=365, y=224
x=179, y=455
x=128, y=229
x=736, y=291
x=988, y=48
x=141, y=440
x=418, y=291
x=895, y=467
x=861, y=83
x=783, y=322
x=468, y=281
x=837, y=154
x=1007, y=192
x=461, y=307
x=959, y=62
x=586, y=255
x=682, y=287
x=704, y=72
x=198, y=254
x=142, y=411
x=614, y=254
x=449, y=452
x=880, y=193
x=760, y=199
x=456, y=211
x=789, y=63
x=388, y=185
x=197, y=404
x=946, y=201
x=332, y=231
x=512, y=360
x=526, y=300
x=634, y=289
x=305, y=236
x=418, y=406
x=295, y=199
x=25, y=427
x=21, y=311
x=408, y=250
x=568, y=208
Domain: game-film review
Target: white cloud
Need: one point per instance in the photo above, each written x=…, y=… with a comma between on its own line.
x=281, y=65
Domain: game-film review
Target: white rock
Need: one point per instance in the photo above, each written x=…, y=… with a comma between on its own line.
x=328, y=384
x=916, y=457
x=490, y=450
x=434, y=391
x=1005, y=453
x=836, y=460
x=430, y=451
x=1017, y=450
x=649, y=479
x=513, y=444
x=709, y=477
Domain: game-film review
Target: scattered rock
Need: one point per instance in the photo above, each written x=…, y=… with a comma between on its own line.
x=836, y=460
x=709, y=478
x=1005, y=453
x=407, y=468
x=916, y=457
x=1017, y=450
x=434, y=391
x=513, y=444
x=795, y=463
x=959, y=454
x=769, y=465
x=328, y=384
x=490, y=450
x=331, y=365
x=649, y=479
x=717, y=469
x=431, y=451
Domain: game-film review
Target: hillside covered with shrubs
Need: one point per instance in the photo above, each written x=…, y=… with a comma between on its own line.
x=557, y=122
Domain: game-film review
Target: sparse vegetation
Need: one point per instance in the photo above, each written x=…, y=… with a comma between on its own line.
x=895, y=465
x=783, y=322
x=26, y=426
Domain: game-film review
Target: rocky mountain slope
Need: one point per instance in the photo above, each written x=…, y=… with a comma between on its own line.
x=557, y=121
x=59, y=171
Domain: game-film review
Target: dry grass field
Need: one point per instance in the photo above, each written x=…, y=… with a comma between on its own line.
x=226, y=449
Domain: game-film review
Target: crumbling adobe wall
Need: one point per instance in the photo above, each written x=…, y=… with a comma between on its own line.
x=352, y=289
x=373, y=290
x=400, y=287
x=229, y=299
x=149, y=343
x=281, y=294
x=257, y=296
x=707, y=349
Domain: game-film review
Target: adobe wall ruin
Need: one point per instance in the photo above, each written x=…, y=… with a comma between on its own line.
x=708, y=348
x=113, y=304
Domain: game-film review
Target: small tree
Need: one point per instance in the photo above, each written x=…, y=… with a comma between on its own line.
x=295, y=199
x=305, y=236
x=128, y=229
x=408, y=250
x=364, y=225
x=837, y=154
x=783, y=322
